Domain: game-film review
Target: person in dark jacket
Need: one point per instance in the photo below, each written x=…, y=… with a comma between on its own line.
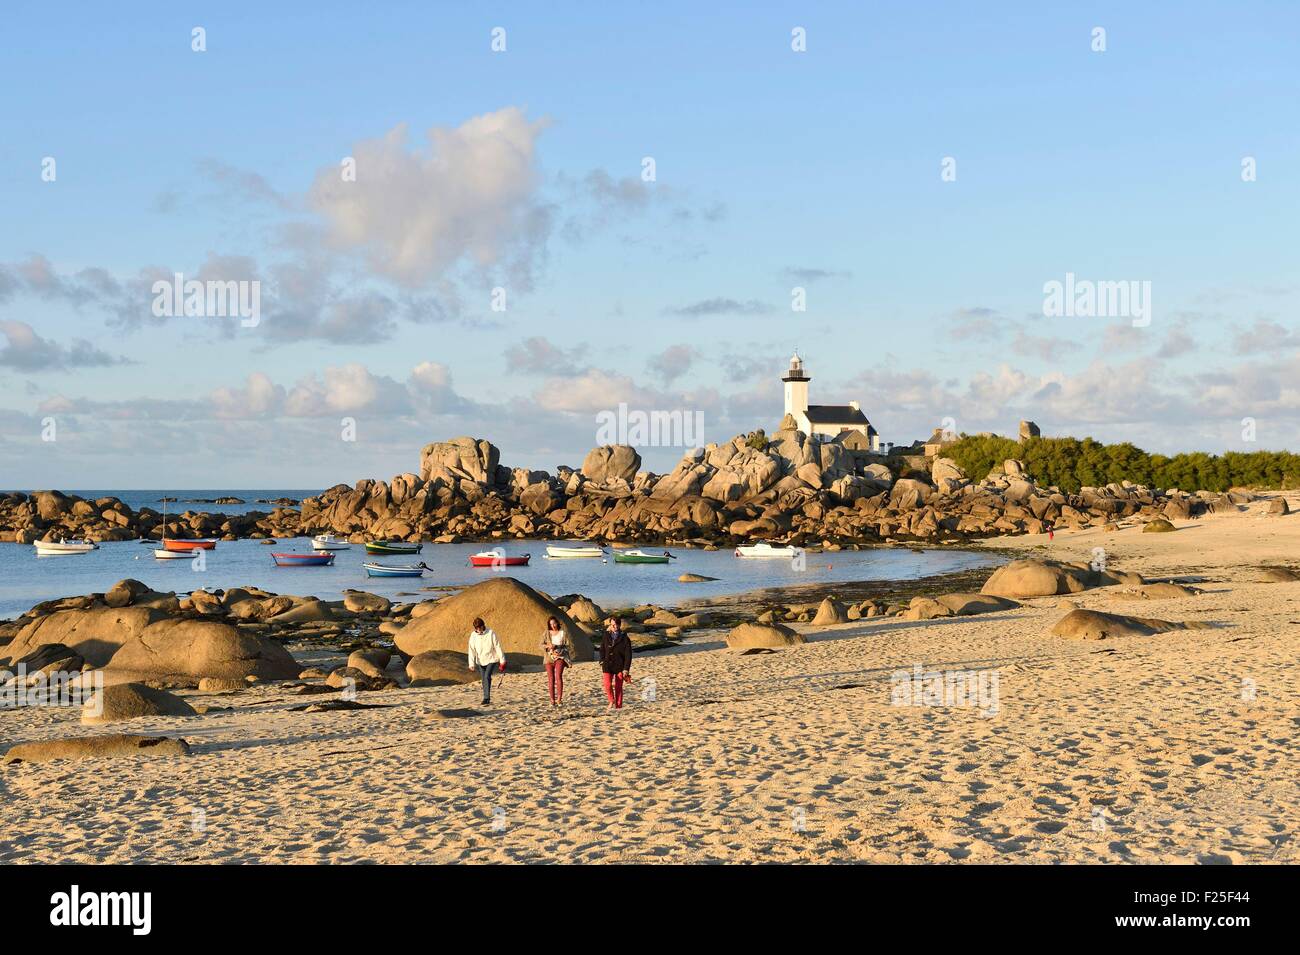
x=615, y=661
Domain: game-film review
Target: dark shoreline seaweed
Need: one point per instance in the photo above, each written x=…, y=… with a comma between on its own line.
x=735, y=608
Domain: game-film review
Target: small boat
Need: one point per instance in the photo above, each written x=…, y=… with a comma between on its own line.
x=765, y=549
x=64, y=548
x=389, y=570
x=557, y=551
x=326, y=542
x=392, y=547
x=204, y=543
x=494, y=559
x=162, y=553
x=641, y=557
x=302, y=560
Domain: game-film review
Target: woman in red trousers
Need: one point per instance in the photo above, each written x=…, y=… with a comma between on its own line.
x=615, y=661
x=557, y=651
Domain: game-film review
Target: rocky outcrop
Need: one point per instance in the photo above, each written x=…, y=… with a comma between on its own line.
x=611, y=463
x=748, y=636
x=1034, y=578
x=1278, y=575
x=51, y=515
x=96, y=747
x=1043, y=578
x=95, y=633
x=184, y=651
x=48, y=659
x=784, y=487
x=439, y=668
x=926, y=608
x=954, y=605
x=829, y=613
x=460, y=459
x=1095, y=625
x=129, y=701
x=1158, y=526
x=514, y=610
x=124, y=593
x=373, y=662
x=358, y=601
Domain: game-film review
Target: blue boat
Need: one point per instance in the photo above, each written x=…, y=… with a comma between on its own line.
x=289, y=560
x=388, y=570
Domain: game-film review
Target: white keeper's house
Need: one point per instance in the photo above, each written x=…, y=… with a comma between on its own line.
x=825, y=421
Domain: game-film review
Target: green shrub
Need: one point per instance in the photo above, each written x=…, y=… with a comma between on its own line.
x=1071, y=463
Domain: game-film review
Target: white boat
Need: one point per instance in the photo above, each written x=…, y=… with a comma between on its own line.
x=162, y=553
x=64, y=548
x=764, y=549
x=374, y=569
x=555, y=550
x=326, y=542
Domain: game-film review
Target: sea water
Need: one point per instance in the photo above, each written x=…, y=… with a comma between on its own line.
x=26, y=579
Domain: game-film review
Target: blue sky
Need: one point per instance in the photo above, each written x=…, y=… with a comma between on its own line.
x=774, y=169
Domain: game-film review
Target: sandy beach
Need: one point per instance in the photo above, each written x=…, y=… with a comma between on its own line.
x=1175, y=748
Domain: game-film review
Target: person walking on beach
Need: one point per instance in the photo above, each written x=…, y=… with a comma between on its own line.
x=485, y=655
x=615, y=661
x=557, y=651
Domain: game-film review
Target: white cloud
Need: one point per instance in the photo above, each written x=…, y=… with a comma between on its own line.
x=595, y=390
x=1178, y=341
x=1264, y=336
x=258, y=397
x=673, y=362
x=431, y=386
x=25, y=350
x=978, y=323
x=540, y=355
x=469, y=198
x=1037, y=346
x=721, y=306
x=346, y=388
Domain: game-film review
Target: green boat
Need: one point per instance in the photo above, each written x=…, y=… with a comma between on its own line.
x=640, y=557
x=392, y=547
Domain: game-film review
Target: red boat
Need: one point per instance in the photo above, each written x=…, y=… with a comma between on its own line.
x=489, y=559
x=207, y=543
x=303, y=560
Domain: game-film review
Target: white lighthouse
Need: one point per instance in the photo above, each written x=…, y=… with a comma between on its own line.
x=796, y=388
x=824, y=421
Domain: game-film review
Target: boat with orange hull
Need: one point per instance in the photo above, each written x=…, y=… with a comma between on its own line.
x=207, y=543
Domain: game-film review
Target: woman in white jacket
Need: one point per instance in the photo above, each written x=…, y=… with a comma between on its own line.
x=485, y=655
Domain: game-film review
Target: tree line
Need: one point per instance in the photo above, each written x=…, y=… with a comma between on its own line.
x=1071, y=463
